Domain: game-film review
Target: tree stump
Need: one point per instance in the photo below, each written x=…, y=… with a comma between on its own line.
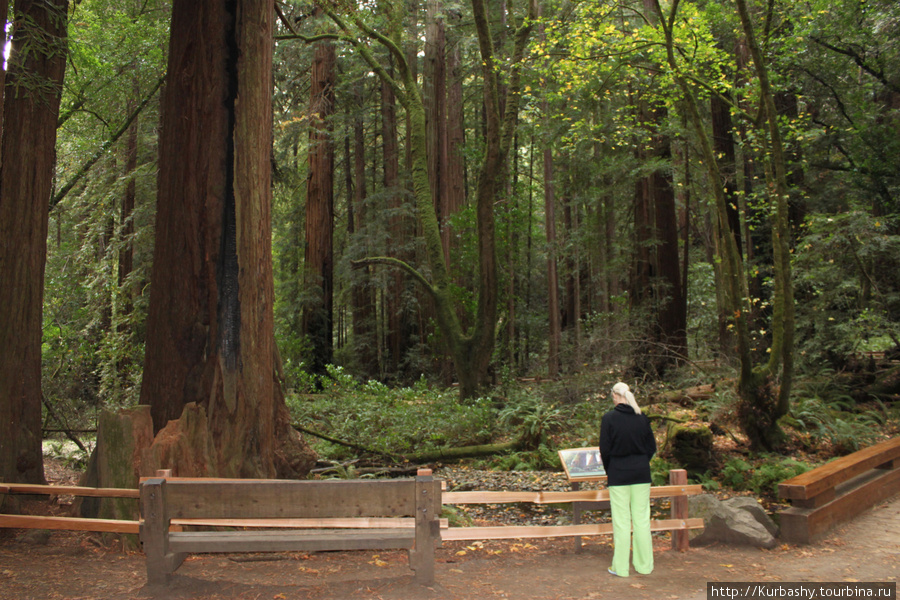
x=184, y=445
x=692, y=448
x=115, y=463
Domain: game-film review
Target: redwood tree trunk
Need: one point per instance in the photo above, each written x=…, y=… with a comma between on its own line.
x=318, y=313
x=362, y=296
x=210, y=333
x=555, y=334
x=397, y=326
x=27, y=157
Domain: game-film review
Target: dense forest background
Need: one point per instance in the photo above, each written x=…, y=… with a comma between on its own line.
x=494, y=195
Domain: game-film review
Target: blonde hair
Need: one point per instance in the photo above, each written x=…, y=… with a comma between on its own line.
x=621, y=389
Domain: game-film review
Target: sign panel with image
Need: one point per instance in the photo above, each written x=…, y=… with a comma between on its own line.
x=582, y=464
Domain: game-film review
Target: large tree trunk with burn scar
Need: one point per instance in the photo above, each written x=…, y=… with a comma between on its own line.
x=210, y=337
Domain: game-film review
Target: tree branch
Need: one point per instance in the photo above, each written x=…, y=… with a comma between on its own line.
x=64, y=190
x=879, y=75
x=396, y=262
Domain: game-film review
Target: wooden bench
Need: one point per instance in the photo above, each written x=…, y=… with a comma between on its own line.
x=838, y=491
x=214, y=502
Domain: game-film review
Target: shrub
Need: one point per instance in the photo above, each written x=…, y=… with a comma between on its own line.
x=765, y=478
x=394, y=422
x=736, y=474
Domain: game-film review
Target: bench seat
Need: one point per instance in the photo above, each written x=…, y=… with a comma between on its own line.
x=320, y=540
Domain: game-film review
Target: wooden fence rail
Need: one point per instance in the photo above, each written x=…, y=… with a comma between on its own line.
x=679, y=524
x=68, y=523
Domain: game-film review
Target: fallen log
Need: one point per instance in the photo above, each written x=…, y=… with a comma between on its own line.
x=684, y=397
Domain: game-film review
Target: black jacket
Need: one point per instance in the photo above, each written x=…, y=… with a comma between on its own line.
x=626, y=446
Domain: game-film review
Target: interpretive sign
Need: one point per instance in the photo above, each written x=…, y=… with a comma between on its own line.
x=582, y=464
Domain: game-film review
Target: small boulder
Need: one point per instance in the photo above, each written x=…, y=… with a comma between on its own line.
x=752, y=506
x=735, y=523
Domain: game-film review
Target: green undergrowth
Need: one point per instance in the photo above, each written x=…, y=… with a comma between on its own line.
x=390, y=421
x=544, y=417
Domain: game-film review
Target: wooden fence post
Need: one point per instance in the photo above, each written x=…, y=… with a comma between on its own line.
x=421, y=557
x=154, y=530
x=680, y=537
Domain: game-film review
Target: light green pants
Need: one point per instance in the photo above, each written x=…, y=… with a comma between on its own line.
x=630, y=506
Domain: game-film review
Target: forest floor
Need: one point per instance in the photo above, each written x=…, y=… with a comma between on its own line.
x=73, y=565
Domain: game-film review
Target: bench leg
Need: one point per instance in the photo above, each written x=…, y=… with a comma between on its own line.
x=421, y=557
x=155, y=533
x=428, y=532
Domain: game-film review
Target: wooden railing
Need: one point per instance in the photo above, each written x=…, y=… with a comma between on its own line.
x=70, y=523
x=678, y=523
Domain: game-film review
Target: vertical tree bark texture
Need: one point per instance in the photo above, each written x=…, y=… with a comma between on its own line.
x=365, y=343
x=657, y=274
x=126, y=221
x=788, y=105
x=456, y=166
x=555, y=335
x=642, y=265
x=396, y=339
x=672, y=312
x=210, y=332
x=318, y=313
x=723, y=144
x=27, y=157
x=724, y=147
x=435, y=97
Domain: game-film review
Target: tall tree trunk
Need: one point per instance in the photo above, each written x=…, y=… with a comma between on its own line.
x=364, y=340
x=781, y=355
x=397, y=326
x=671, y=312
x=554, y=336
x=723, y=146
x=318, y=312
x=210, y=333
x=434, y=94
x=574, y=309
x=456, y=166
x=434, y=97
x=656, y=225
x=127, y=290
x=27, y=156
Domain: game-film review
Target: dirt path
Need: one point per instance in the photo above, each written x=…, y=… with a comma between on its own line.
x=72, y=567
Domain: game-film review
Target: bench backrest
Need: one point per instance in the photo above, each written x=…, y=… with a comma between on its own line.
x=286, y=499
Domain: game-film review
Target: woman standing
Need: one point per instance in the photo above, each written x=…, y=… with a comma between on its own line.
x=626, y=447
